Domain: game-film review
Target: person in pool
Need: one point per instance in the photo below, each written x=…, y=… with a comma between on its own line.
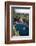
x=22, y=27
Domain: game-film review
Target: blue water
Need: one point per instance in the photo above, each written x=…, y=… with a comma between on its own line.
x=23, y=29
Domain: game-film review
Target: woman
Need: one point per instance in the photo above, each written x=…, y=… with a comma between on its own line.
x=21, y=26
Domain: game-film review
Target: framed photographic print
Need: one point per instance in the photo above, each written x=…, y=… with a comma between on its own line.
x=19, y=22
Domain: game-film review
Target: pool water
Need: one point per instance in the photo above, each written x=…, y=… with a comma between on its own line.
x=23, y=29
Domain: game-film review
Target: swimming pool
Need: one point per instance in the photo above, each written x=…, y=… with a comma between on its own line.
x=23, y=29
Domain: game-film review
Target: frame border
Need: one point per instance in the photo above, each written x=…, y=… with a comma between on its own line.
x=7, y=22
